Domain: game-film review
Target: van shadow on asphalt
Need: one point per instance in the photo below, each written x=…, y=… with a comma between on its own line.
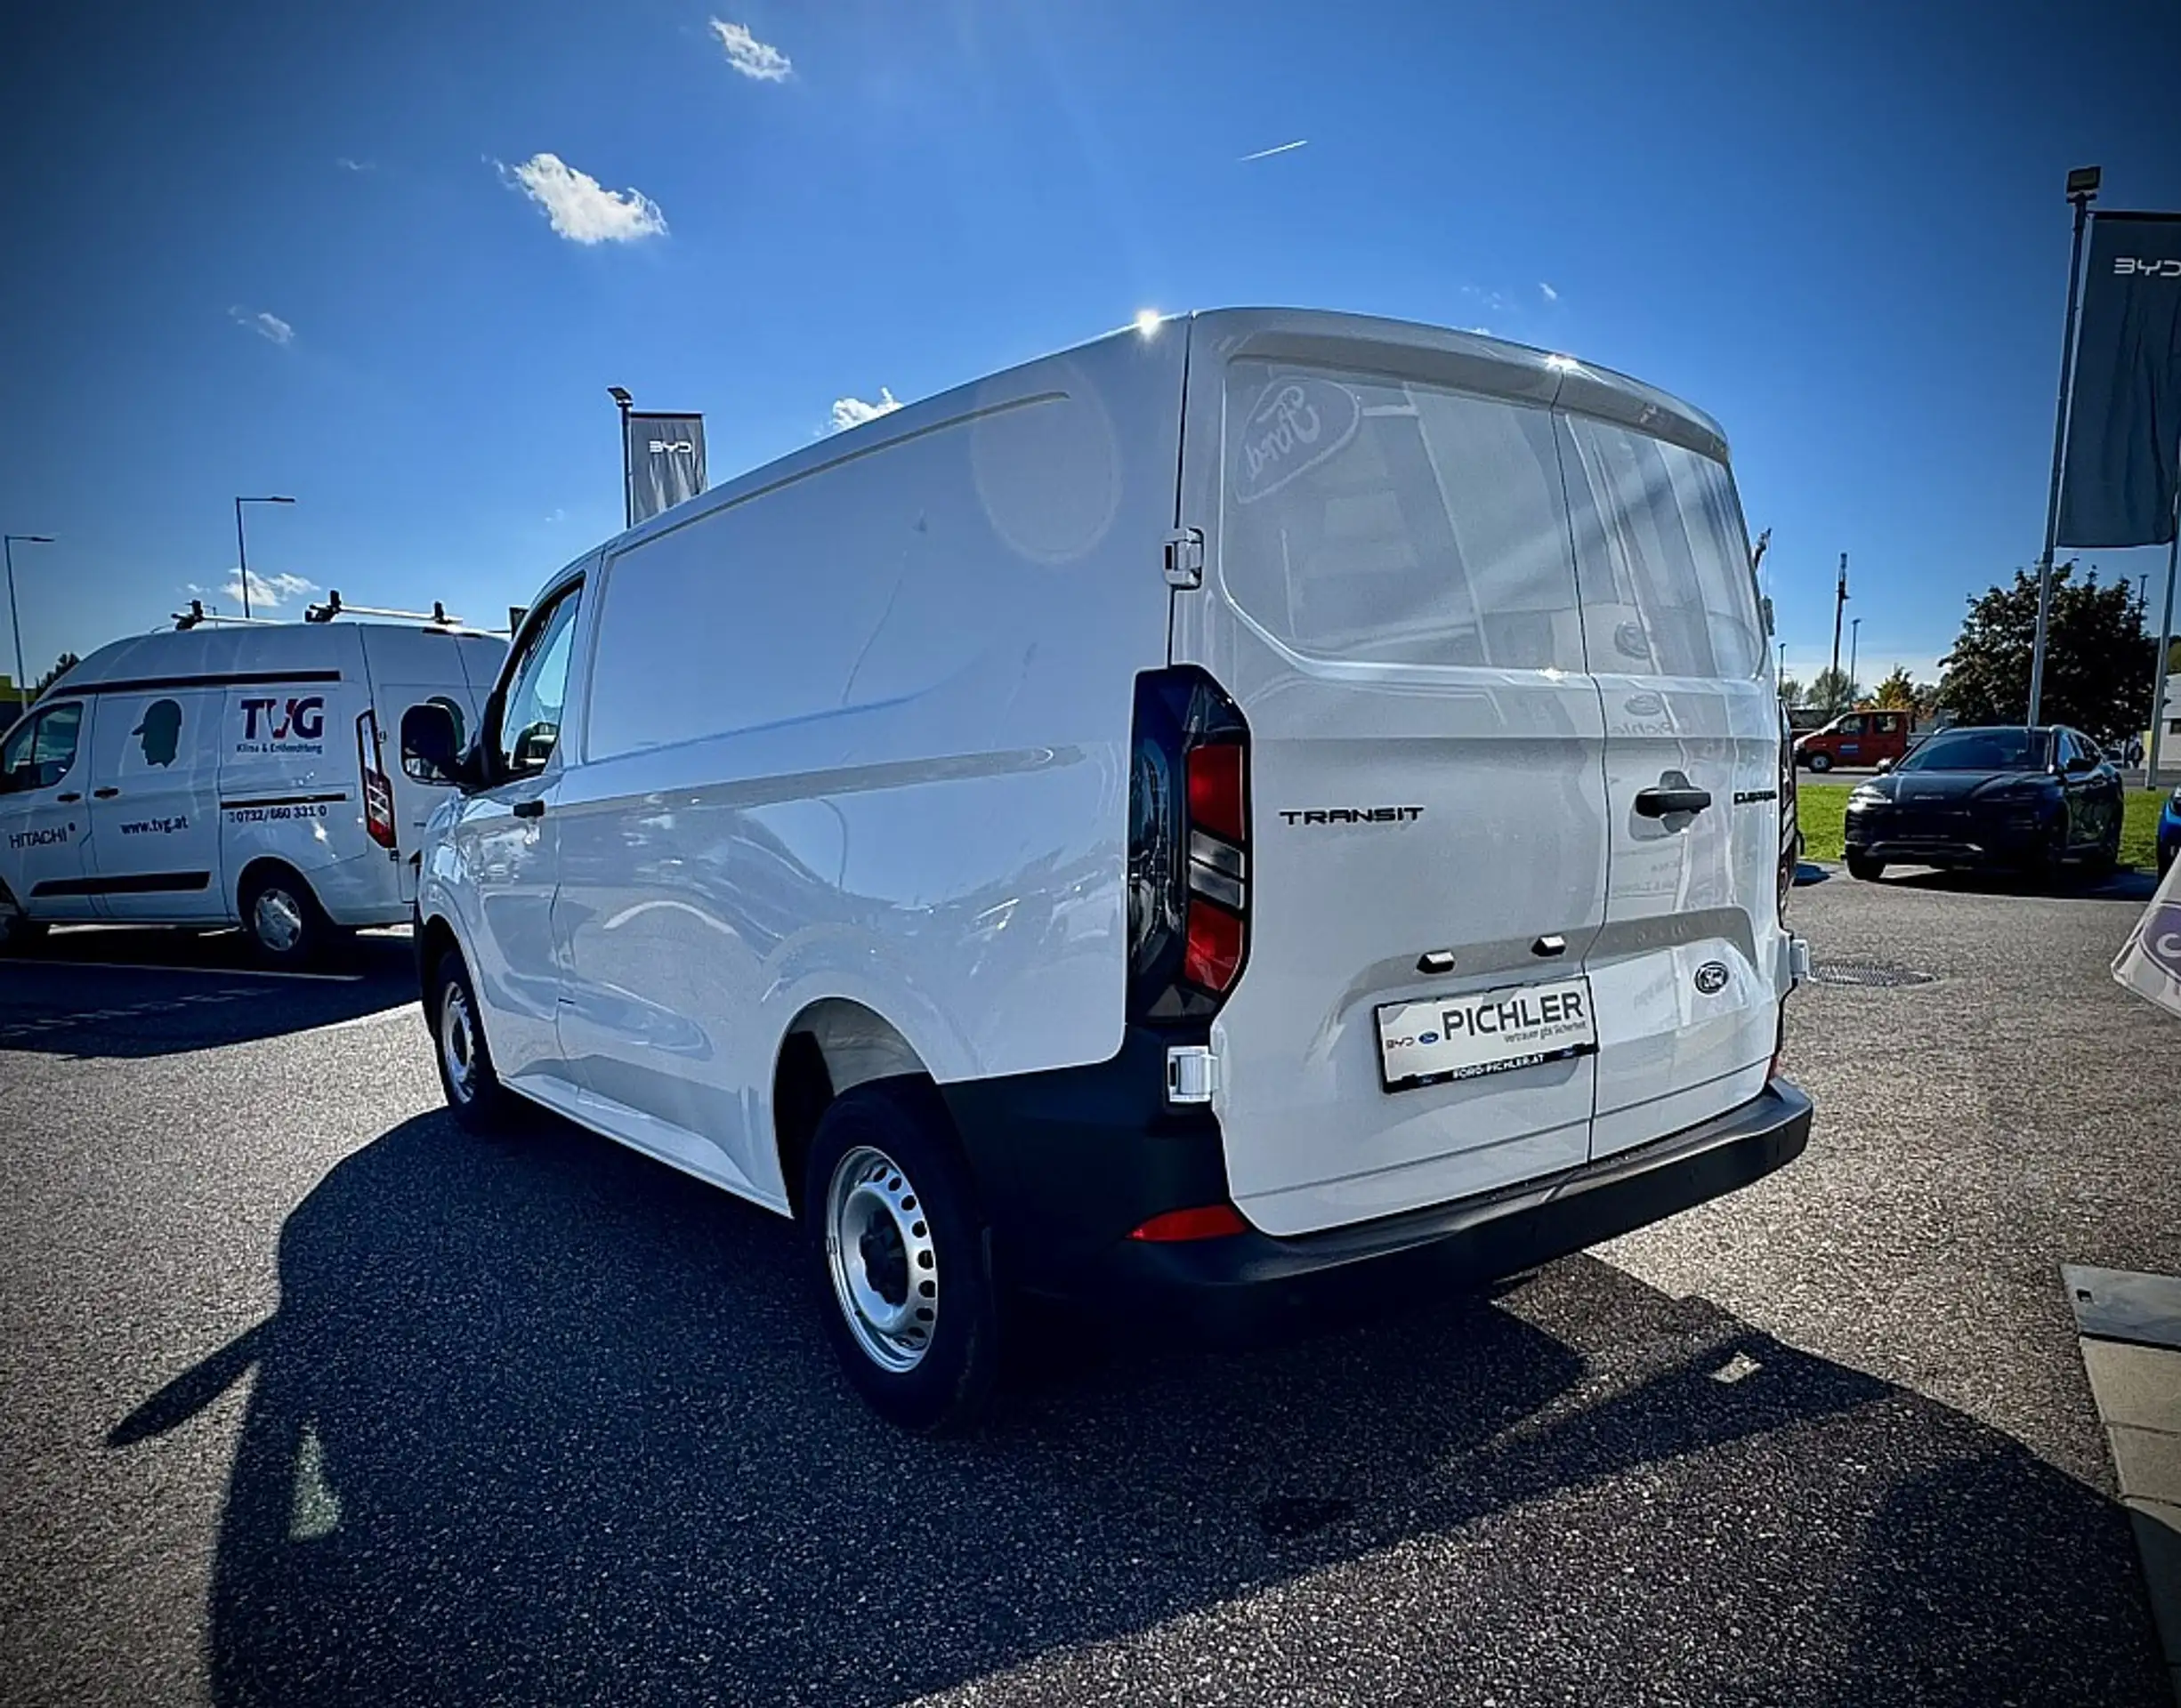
x=132, y=993
x=538, y=1420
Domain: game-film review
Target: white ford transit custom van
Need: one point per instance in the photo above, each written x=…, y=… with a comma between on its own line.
x=221, y=776
x=1278, y=806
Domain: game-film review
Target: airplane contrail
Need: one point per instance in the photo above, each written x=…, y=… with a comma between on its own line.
x=1265, y=154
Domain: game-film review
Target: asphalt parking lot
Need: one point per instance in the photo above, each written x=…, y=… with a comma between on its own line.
x=307, y=1398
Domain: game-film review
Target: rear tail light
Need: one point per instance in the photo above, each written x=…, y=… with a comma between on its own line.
x=1188, y=847
x=378, y=789
x=1209, y=1221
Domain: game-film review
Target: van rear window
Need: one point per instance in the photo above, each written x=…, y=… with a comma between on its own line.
x=1373, y=519
x=1667, y=586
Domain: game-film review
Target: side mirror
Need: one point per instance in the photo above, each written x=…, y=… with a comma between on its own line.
x=429, y=750
x=2078, y=763
x=1884, y=766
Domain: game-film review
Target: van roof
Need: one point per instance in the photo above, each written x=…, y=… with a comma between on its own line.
x=1467, y=361
x=215, y=651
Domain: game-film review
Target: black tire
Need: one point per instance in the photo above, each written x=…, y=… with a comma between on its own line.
x=1820, y=763
x=474, y=1095
x=2165, y=860
x=281, y=917
x=18, y=931
x=885, y=1158
x=1861, y=865
x=2103, y=861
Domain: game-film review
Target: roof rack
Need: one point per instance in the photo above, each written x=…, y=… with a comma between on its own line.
x=197, y=616
x=437, y=617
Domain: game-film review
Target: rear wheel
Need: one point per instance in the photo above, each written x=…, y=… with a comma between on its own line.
x=1821, y=762
x=17, y=929
x=1861, y=865
x=286, y=925
x=900, y=1256
x=474, y=1094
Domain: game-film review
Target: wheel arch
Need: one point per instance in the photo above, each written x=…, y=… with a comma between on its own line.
x=832, y=1045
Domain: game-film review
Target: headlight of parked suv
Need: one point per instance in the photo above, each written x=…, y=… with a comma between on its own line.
x=1864, y=795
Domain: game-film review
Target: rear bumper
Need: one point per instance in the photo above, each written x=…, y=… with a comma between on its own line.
x=1251, y=1287
x=1063, y=1191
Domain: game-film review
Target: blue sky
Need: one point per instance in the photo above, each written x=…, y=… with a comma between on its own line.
x=288, y=248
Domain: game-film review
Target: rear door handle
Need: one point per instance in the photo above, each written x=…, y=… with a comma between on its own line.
x=532, y=808
x=104, y=794
x=1663, y=803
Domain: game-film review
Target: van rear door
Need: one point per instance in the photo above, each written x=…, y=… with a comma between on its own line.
x=1685, y=973
x=1389, y=596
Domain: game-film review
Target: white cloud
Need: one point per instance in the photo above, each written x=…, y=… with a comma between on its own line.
x=853, y=411
x=347, y=164
x=581, y=210
x=1551, y=295
x=748, y=55
x=268, y=326
x=1267, y=154
x=267, y=593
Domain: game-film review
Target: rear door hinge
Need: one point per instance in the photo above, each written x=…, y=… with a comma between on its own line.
x=1186, y=558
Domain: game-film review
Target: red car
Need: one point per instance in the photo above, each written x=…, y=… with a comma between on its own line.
x=1854, y=738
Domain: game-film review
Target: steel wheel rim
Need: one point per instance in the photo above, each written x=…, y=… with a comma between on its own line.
x=458, y=1044
x=881, y=1258
x=278, y=920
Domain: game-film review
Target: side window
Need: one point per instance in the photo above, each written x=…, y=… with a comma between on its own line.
x=1662, y=556
x=1851, y=726
x=40, y=753
x=529, y=726
x=2064, y=748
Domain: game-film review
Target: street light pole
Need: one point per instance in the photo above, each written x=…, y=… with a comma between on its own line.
x=2081, y=190
x=1855, y=636
x=1840, y=604
x=242, y=550
x=15, y=625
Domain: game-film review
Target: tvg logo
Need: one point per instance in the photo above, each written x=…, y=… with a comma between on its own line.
x=304, y=718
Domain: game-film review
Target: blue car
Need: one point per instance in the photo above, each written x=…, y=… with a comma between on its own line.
x=2168, y=831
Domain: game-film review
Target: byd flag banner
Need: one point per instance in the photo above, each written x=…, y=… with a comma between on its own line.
x=2124, y=425
x=2150, y=961
x=665, y=461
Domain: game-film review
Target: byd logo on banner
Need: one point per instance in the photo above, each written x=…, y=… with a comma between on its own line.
x=677, y=446
x=302, y=720
x=2135, y=267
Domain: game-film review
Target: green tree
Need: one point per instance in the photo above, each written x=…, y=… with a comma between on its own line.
x=1832, y=690
x=1897, y=693
x=1791, y=692
x=67, y=662
x=2098, y=657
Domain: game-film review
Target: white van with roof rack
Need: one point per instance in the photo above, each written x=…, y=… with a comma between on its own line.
x=1278, y=806
x=224, y=774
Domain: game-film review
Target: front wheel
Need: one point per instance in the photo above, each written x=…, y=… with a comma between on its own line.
x=901, y=1255
x=1861, y=865
x=17, y=929
x=1820, y=763
x=475, y=1097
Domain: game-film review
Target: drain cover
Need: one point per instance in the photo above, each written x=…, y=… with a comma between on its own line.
x=1868, y=974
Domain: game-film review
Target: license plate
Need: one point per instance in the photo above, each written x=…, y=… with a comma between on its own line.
x=1484, y=1032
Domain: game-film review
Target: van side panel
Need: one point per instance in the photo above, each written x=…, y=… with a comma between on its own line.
x=860, y=730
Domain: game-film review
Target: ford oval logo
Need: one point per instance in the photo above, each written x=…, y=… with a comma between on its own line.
x=1711, y=977
x=1299, y=423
